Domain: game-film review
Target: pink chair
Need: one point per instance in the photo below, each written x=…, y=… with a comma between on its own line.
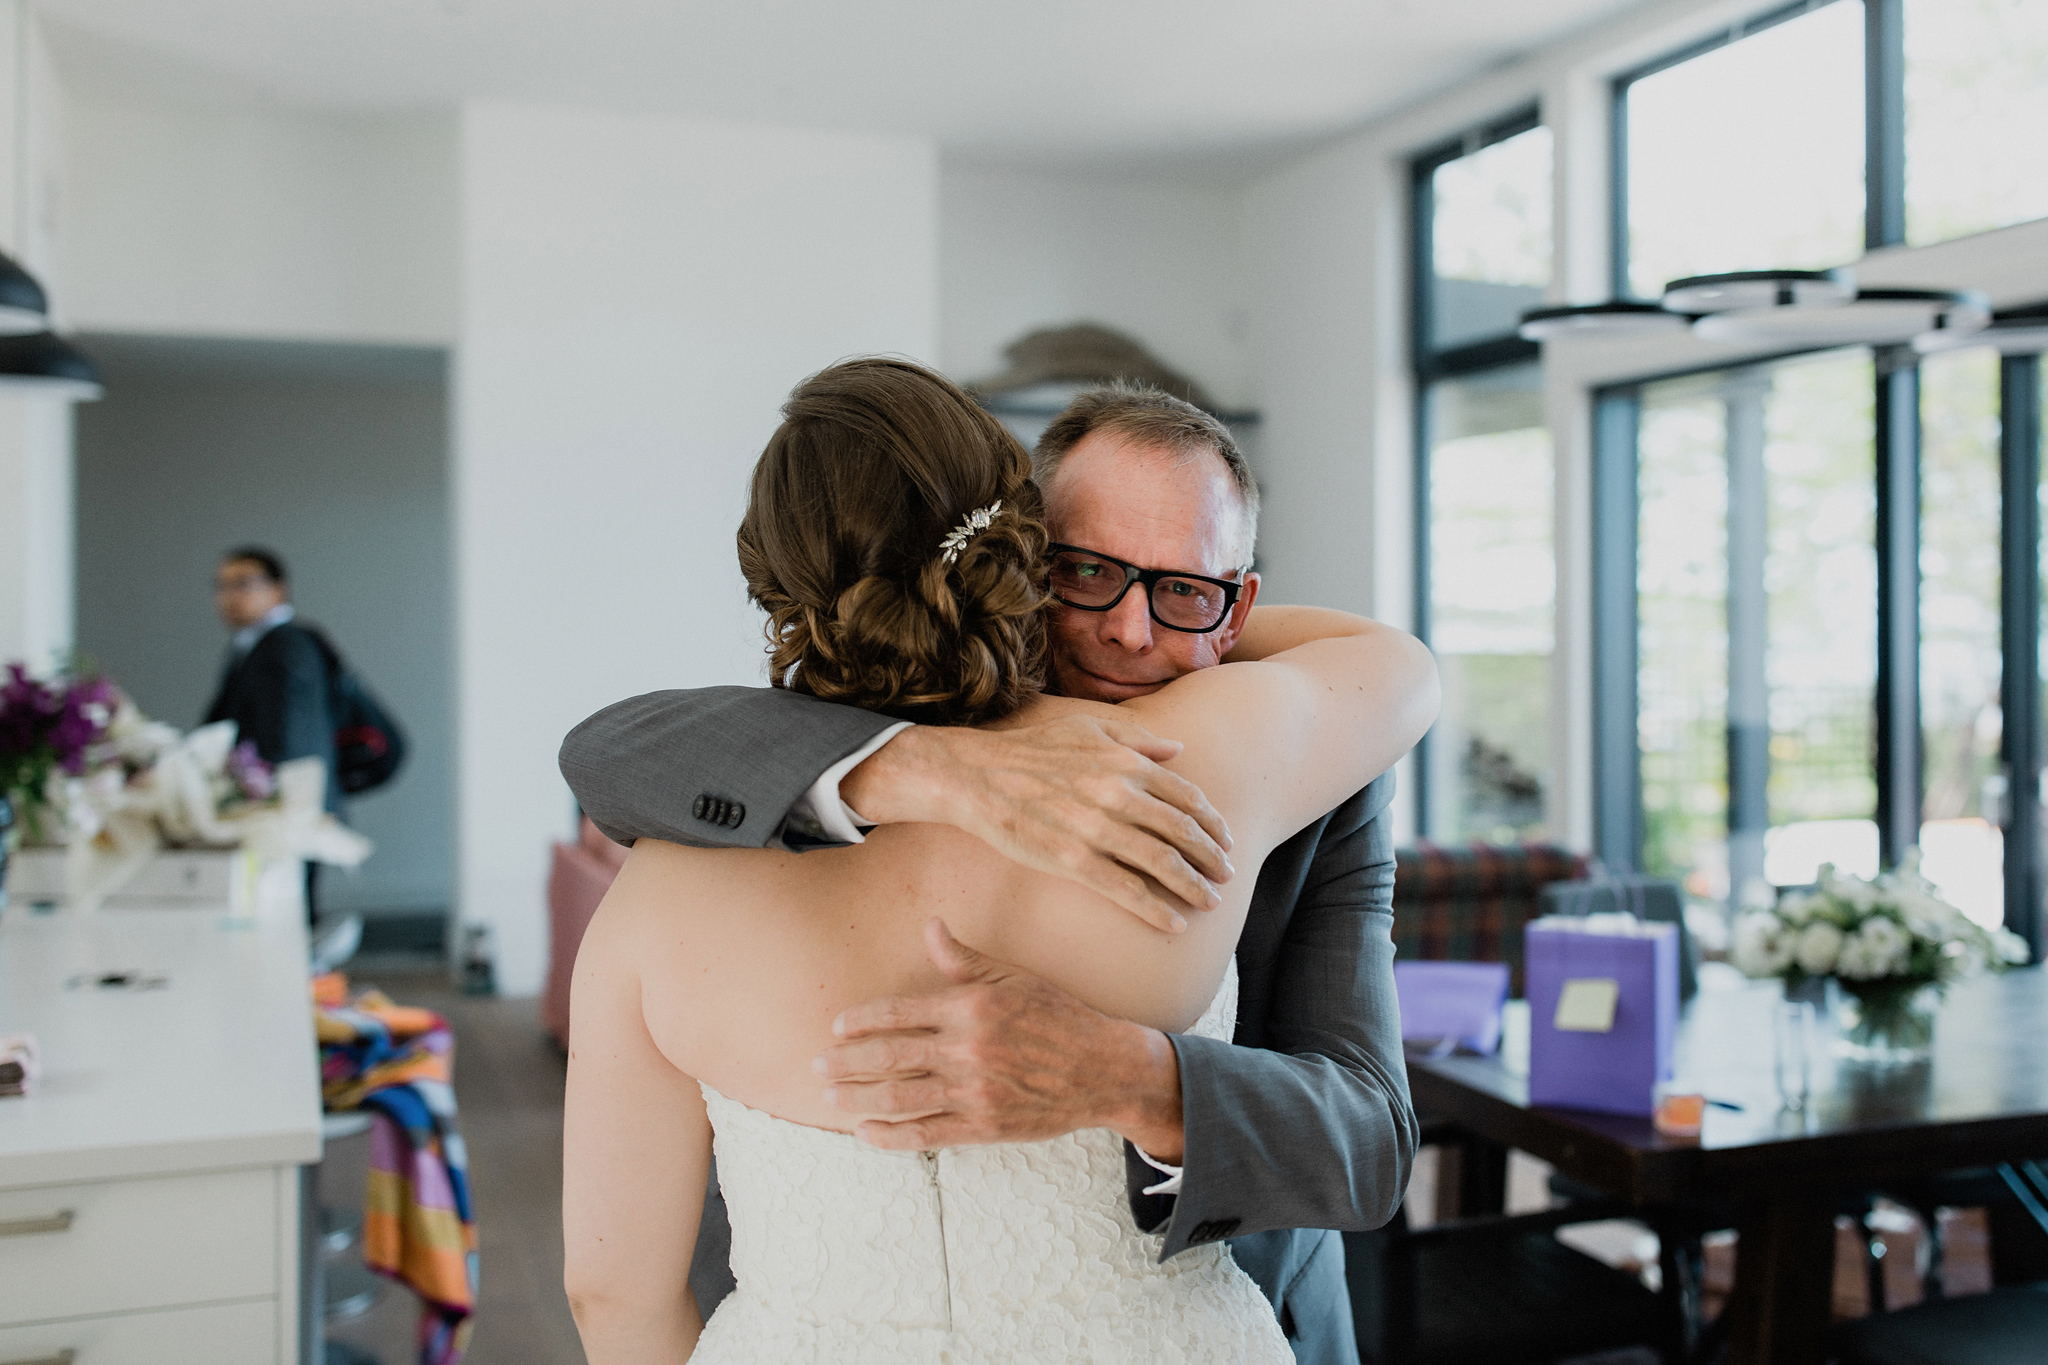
x=580, y=875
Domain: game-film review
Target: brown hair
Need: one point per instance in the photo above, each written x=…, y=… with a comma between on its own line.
x=1148, y=416
x=875, y=462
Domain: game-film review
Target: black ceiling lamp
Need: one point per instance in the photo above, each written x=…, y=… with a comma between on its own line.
x=24, y=310
x=1752, y=291
x=1615, y=318
x=47, y=364
x=2013, y=331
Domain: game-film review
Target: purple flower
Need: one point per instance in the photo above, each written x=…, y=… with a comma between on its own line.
x=254, y=778
x=45, y=727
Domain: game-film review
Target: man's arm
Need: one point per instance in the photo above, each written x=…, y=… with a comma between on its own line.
x=1079, y=797
x=1306, y=1122
x=717, y=767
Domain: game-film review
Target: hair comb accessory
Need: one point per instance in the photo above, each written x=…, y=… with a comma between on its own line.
x=977, y=521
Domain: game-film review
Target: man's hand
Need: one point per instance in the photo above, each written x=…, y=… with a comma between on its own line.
x=1002, y=1056
x=1080, y=797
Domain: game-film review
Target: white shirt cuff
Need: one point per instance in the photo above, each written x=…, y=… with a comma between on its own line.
x=823, y=809
x=1170, y=1185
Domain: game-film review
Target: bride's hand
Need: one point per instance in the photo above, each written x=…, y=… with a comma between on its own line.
x=1079, y=797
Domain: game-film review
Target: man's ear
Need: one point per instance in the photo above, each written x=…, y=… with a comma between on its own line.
x=1227, y=633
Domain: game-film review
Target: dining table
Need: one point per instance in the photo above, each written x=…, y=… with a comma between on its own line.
x=1775, y=1172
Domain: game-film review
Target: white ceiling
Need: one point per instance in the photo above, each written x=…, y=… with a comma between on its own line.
x=1054, y=81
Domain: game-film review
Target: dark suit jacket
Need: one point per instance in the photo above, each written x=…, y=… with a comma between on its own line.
x=1299, y=1129
x=276, y=695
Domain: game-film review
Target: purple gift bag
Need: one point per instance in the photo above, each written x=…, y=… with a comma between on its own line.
x=1603, y=1011
x=1452, y=1000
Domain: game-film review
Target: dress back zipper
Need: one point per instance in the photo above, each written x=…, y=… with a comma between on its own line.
x=931, y=1170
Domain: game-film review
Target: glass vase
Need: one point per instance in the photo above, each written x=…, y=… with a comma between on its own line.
x=1886, y=1023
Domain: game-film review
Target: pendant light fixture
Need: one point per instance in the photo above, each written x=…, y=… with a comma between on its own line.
x=24, y=310
x=1875, y=317
x=2013, y=331
x=47, y=364
x=1615, y=318
x=1753, y=291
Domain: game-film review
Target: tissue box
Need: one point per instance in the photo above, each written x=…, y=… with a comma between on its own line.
x=1616, y=979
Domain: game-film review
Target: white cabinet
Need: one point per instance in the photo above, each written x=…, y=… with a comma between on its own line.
x=149, y=1192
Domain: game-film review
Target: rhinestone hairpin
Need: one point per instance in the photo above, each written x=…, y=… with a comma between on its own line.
x=977, y=521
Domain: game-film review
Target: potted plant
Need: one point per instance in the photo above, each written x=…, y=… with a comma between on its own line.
x=1891, y=945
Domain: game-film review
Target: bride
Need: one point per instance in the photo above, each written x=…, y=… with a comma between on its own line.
x=894, y=537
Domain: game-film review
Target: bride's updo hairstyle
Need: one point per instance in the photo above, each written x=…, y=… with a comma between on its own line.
x=875, y=464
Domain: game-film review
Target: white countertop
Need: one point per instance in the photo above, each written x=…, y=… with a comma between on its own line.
x=213, y=1070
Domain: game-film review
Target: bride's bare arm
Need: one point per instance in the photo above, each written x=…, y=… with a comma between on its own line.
x=636, y=1152
x=1336, y=699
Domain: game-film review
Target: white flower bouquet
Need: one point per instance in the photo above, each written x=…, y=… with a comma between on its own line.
x=1890, y=944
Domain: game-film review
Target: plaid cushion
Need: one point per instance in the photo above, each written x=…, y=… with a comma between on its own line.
x=1469, y=904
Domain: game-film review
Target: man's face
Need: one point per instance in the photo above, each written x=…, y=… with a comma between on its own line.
x=1144, y=505
x=244, y=593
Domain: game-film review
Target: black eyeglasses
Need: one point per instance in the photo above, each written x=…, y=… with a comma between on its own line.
x=1190, y=602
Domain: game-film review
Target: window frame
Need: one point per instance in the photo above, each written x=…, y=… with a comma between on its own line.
x=1432, y=364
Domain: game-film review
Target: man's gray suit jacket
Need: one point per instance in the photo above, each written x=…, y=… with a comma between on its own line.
x=1300, y=1129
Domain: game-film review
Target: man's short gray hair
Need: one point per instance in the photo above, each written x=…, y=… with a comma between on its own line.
x=1144, y=415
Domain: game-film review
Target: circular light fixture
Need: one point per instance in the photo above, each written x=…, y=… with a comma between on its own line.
x=1615, y=318
x=1875, y=317
x=23, y=309
x=2018, y=331
x=47, y=364
x=1747, y=290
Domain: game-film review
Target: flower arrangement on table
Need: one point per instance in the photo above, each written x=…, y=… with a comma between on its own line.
x=1891, y=944
x=85, y=769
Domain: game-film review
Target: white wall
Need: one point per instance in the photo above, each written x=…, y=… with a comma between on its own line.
x=1155, y=256
x=638, y=296
x=207, y=220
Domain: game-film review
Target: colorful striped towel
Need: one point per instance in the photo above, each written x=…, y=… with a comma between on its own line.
x=419, y=1228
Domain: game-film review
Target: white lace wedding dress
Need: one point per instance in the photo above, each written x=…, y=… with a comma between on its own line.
x=967, y=1256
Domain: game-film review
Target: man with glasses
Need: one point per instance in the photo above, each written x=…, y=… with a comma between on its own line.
x=1304, y=1122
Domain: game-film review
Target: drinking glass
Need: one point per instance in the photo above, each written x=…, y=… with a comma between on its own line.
x=1792, y=1036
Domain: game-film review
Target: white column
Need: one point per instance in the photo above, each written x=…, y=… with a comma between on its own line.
x=36, y=572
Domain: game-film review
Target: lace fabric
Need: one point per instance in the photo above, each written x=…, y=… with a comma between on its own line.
x=969, y=1256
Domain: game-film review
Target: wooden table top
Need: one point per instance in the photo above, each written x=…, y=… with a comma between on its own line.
x=1982, y=1098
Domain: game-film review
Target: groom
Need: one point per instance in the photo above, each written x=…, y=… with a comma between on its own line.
x=1303, y=1123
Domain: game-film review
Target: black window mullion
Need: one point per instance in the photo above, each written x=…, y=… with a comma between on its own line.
x=1897, y=757
x=1617, y=743
x=1884, y=123
x=2020, y=608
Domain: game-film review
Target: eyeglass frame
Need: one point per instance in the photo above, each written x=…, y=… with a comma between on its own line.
x=1134, y=574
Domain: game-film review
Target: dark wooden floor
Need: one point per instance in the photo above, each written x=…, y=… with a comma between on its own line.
x=508, y=1080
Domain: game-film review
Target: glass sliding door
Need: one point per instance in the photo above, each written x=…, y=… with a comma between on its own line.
x=1756, y=621
x=1960, y=635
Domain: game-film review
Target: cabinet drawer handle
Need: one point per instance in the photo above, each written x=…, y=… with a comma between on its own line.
x=63, y=1357
x=60, y=1221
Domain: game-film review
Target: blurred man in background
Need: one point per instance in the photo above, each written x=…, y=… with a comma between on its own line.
x=275, y=685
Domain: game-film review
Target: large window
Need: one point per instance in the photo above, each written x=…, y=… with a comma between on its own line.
x=1492, y=603
x=1808, y=134
x=1748, y=156
x=1976, y=115
x=1486, y=598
